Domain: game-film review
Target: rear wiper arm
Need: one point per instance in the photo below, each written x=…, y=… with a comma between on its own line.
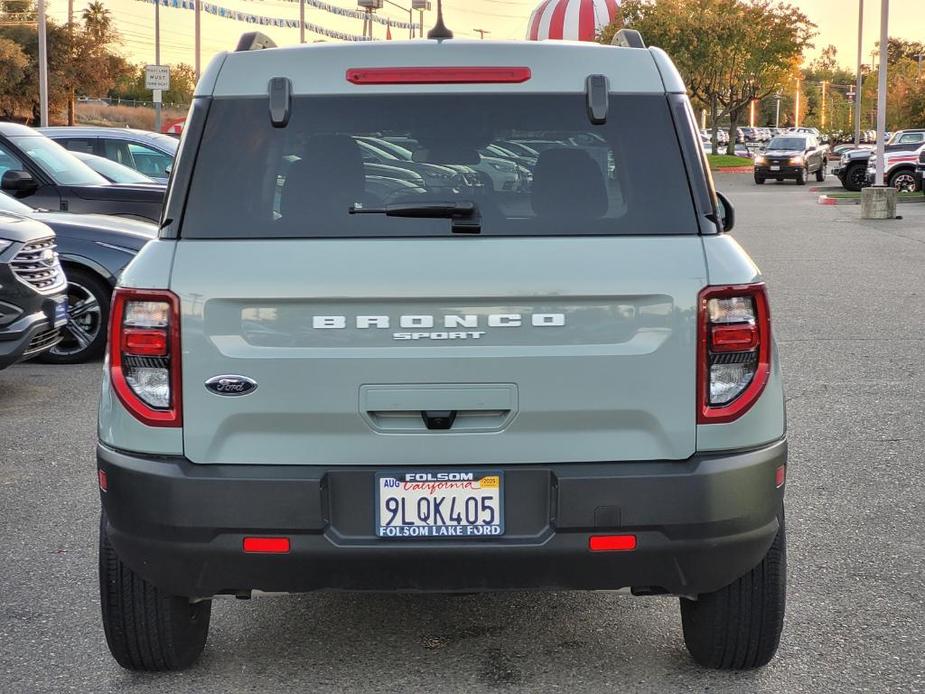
x=464, y=213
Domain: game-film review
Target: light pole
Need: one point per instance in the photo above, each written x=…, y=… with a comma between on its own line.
x=157, y=61
x=198, y=39
x=796, y=109
x=824, y=83
x=301, y=21
x=409, y=10
x=777, y=110
x=43, y=65
x=881, y=88
x=857, y=106
x=421, y=6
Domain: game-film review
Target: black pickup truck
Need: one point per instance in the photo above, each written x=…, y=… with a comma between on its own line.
x=851, y=169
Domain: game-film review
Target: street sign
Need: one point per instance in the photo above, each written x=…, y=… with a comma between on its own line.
x=157, y=77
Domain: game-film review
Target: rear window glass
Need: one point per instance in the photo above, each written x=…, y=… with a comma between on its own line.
x=532, y=164
x=787, y=143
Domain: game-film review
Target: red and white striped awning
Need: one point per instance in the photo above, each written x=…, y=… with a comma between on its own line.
x=573, y=20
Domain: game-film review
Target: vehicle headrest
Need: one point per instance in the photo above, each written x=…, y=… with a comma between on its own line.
x=567, y=182
x=329, y=173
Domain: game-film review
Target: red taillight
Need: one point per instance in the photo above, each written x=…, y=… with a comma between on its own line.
x=266, y=545
x=780, y=476
x=103, y=480
x=612, y=543
x=144, y=343
x=733, y=351
x=733, y=338
x=144, y=354
x=438, y=75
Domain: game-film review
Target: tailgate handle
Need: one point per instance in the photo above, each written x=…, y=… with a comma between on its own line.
x=460, y=408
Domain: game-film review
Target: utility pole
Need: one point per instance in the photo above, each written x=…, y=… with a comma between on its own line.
x=796, y=110
x=198, y=39
x=881, y=88
x=857, y=105
x=481, y=32
x=751, y=114
x=43, y=65
x=777, y=110
x=157, y=61
x=301, y=21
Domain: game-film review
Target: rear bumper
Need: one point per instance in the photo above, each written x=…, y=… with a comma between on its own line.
x=699, y=523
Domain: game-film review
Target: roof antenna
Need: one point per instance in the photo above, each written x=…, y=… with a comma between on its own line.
x=440, y=30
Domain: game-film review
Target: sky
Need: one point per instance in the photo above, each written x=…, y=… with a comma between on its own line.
x=505, y=19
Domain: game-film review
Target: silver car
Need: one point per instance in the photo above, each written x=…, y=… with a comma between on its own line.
x=147, y=152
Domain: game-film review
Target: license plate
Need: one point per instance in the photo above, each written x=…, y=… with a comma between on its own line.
x=61, y=312
x=775, y=168
x=440, y=504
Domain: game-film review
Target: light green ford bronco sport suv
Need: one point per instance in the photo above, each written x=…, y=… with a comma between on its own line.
x=442, y=316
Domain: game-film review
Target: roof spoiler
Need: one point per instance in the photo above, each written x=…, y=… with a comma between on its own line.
x=254, y=41
x=628, y=38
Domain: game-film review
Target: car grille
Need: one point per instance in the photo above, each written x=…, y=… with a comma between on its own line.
x=43, y=341
x=32, y=266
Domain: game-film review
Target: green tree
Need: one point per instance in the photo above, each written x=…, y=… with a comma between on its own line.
x=13, y=64
x=730, y=52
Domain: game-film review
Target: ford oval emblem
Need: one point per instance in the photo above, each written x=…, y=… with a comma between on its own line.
x=231, y=385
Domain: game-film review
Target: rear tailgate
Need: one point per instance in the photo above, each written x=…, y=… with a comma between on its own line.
x=547, y=349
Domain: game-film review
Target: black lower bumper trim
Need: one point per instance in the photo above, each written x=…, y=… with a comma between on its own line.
x=699, y=523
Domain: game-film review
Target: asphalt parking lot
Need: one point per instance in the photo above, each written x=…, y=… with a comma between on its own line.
x=849, y=307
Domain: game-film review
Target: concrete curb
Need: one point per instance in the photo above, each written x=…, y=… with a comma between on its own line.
x=827, y=200
x=734, y=169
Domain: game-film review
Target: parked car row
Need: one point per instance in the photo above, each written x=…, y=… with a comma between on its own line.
x=70, y=222
x=853, y=166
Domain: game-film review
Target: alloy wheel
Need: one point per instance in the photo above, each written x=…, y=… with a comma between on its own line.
x=904, y=182
x=84, y=321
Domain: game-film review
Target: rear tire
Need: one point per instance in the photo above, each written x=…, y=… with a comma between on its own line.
x=801, y=177
x=145, y=628
x=738, y=627
x=820, y=174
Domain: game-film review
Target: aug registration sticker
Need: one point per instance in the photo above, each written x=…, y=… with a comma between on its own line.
x=450, y=504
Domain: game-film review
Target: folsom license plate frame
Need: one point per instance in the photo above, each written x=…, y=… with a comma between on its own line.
x=439, y=504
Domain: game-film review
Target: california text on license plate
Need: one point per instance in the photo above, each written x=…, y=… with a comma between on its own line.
x=446, y=503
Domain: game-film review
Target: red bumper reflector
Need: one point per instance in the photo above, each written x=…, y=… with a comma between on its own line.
x=144, y=343
x=104, y=481
x=266, y=545
x=780, y=476
x=734, y=338
x=612, y=543
x=438, y=75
